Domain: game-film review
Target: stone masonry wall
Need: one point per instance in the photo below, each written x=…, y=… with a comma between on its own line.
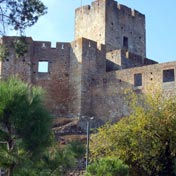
x=121, y=22
x=55, y=79
x=122, y=59
x=88, y=76
x=75, y=78
x=11, y=65
x=93, y=63
x=90, y=22
x=108, y=90
x=108, y=23
x=86, y=61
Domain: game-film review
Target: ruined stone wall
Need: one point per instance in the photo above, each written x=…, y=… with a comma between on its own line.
x=55, y=78
x=12, y=65
x=108, y=90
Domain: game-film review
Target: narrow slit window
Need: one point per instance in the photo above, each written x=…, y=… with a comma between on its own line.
x=168, y=75
x=138, y=79
x=43, y=67
x=125, y=42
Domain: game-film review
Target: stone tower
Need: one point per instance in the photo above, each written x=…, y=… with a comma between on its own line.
x=112, y=24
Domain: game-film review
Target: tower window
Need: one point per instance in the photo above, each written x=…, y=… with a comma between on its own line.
x=43, y=66
x=138, y=79
x=168, y=75
x=125, y=42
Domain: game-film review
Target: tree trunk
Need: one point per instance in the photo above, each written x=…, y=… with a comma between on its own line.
x=10, y=146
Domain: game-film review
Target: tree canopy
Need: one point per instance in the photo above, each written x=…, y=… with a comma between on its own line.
x=20, y=14
x=25, y=124
x=145, y=140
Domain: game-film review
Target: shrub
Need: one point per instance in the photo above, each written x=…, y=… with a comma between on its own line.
x=109, y=166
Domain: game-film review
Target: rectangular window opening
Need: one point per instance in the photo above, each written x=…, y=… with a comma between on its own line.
x=43, y=66
x=138, y=79
x=125, y=42
x=168, y=75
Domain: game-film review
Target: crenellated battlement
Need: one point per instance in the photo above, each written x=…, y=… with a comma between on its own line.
x=47, y=45
x=84, y=9
x=96, y=5
x=9, y=40
x=129, y=11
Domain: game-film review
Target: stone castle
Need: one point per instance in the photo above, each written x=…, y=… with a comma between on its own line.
x=88, y=76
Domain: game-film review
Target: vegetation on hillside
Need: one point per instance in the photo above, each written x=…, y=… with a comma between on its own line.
x=109, y=166
x=145, y=140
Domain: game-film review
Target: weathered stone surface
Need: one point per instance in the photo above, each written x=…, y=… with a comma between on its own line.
x=108, y=22
x=87, y=77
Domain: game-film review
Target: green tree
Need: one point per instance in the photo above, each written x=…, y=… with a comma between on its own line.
x=25, y=125
x=78, y=148
x=20, y=14
x=145, y=140
x=53, y=162
x=109, y=166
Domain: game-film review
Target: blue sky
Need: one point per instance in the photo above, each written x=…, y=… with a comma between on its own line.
x=58, y=24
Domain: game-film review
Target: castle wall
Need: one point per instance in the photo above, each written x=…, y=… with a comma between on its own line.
x=93, y=63
x=76, y=81
x=108, y=90
x=55, y=78
x=88, y=76
x=108, y=101
x=86, y=60
x=122, y=59
x=12, y=65
x=75, y=78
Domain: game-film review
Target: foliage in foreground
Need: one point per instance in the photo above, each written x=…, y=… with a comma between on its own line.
x=145, y=140
x=20, y=14
x=27, y=146
x=78, y=148
x=25, y=124
x=53, y=162
x=109, y=166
